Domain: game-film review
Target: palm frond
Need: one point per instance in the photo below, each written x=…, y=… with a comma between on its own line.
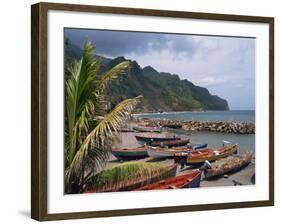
x=78, y=100
x=88, y=162
x=111, y=75
x=112, y=121
x=125, y=174
x=99, y=141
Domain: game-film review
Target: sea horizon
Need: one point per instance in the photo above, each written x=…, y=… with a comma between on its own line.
x=208, y=115
x=191, y=111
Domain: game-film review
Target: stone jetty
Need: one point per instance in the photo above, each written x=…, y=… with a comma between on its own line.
x=212, y=126
x=220, y=126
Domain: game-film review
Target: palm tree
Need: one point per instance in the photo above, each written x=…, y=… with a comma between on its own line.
x=89, y=130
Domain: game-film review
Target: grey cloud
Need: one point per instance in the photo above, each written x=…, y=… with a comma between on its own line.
x=120, y=43
x=225, y=65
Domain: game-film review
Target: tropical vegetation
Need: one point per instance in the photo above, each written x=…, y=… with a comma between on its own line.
x=123, y=175
x=90, y=127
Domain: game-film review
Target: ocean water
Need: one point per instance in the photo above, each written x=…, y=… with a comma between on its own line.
x=214, y=139
x=231, y=115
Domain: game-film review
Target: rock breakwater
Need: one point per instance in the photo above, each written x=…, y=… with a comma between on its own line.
x=212, y=126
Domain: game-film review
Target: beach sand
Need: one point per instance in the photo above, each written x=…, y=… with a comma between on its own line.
x=245, y=176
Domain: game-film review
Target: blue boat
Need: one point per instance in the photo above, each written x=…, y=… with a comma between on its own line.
x=199, y=146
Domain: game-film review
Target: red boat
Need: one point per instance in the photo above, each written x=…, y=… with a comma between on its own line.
x=198, y=157
x=169, y=143
x=190, y=180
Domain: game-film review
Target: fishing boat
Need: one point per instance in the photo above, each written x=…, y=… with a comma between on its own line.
x=130, y=153
x=169, y=143
x=189, y=180
x=198, y=157
x=167, y=172
x=198, y=146
x=160, y=153
x=147, y=129
x=229, y=164
x=154, y=137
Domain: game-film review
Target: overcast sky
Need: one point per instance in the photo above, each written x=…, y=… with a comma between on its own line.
x=224, y=65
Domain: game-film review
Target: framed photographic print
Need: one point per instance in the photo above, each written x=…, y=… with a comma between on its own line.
x=140, y=111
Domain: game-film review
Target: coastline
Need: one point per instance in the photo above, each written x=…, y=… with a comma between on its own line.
x=199, y=132
x=244, y=176
x=166, y=112
x=188, y=111
x=195, y=125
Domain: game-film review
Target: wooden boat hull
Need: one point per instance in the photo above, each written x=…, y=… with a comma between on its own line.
x=160, y=153
x=190, y=180
x=129, y=154
x=228, y=164
x=147, y=129
x=146, y=139
x=169, y=143
x=195, y=183
x=228, y=150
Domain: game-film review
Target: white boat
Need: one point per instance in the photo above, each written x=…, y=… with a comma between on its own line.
x=160, y=153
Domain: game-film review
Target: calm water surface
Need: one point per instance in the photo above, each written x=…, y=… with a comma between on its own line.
x=232, y=115
x=245, y=142
x=214, y=139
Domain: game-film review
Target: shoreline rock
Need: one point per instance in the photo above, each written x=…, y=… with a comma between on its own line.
x=212, y=126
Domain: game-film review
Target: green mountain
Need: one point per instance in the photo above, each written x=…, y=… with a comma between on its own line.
x=161, y=91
